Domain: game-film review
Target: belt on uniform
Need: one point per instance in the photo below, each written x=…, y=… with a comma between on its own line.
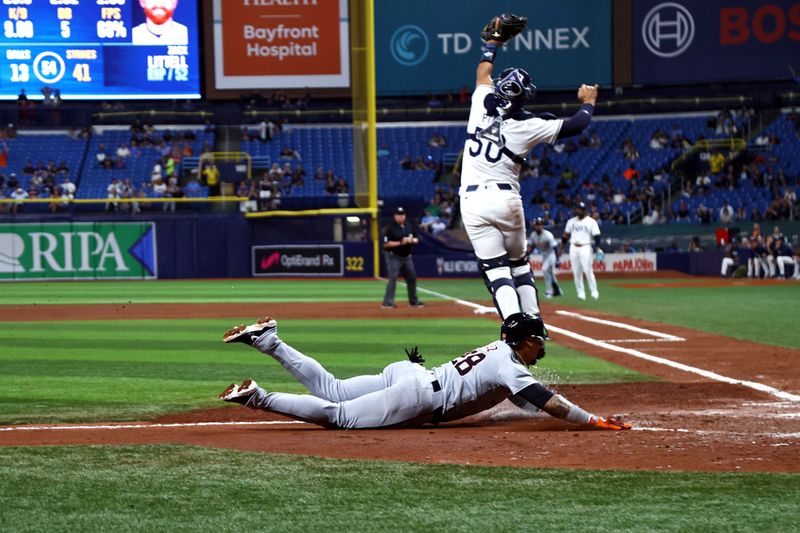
x=436, y=417
x=501, y=186
x=576, y=244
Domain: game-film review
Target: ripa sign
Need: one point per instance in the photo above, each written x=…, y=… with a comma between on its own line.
x=82, y=250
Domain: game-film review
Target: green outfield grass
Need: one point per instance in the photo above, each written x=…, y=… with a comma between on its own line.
x=134, y=369
x=170, y=488
x=760, y=313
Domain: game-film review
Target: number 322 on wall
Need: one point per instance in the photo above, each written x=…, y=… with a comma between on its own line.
x=354, y=264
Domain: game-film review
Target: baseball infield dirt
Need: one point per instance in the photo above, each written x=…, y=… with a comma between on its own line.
x=684, y=422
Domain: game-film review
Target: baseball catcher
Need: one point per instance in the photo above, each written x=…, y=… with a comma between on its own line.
x=500, y=134
x=405, y=393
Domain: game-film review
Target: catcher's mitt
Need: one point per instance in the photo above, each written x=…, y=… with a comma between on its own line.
x=503, y=28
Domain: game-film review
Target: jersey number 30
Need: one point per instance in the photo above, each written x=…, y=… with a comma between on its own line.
x=489, y=157
x=466, y=362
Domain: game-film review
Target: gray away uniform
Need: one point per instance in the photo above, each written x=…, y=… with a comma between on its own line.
x=404, y=393
x=546, y=244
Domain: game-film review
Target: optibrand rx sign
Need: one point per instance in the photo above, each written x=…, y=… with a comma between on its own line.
x=424, y=46
x=714, y=40
x=125, y=250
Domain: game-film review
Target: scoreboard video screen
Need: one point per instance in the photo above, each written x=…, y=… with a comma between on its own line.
x=100, y=49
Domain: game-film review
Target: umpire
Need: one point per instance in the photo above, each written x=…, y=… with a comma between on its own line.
x=397, y=241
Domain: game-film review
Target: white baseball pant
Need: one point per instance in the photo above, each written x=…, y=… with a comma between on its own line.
x=401, y=394
x=581, y=259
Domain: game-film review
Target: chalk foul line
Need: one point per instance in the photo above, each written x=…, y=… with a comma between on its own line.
x=148, y=426
x=636, y=353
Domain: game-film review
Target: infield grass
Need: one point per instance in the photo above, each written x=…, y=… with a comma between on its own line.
x=179, y=488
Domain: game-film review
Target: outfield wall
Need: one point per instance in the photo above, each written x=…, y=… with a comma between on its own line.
x=229, y=246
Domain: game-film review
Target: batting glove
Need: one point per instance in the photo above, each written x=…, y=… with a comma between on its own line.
x=611, y=423
x=414, y=356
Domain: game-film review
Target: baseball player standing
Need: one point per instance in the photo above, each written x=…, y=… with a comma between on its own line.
x=405, y=393
x=583, y=235
x=545, y=242
x=501, y=133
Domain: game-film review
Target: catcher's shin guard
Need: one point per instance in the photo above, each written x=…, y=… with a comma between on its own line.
x=497, y=278
x=523, y=283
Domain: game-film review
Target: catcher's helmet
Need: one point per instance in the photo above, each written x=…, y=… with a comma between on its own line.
x=519, y=326
x=514, y=85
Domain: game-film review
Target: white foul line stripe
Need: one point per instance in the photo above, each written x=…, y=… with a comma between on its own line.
x=641, y=355
x=622, y=341
x=621, y=325
x=150, y=426
x=680, y=366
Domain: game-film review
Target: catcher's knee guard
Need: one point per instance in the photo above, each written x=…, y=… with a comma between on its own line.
x=523, y=283
x=496, y=273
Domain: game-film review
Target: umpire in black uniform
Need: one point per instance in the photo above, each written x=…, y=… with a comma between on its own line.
x=398, y=241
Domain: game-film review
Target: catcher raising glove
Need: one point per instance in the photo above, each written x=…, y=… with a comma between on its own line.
x=503, y=28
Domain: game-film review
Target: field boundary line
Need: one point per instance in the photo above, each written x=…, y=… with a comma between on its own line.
x=148, y=426
x=641, y=355
x=620, y=325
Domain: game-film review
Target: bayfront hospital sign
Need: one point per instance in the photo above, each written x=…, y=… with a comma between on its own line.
x=281, y=44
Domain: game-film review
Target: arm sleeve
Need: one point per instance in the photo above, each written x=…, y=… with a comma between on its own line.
x=577, y=122
x=536, y=394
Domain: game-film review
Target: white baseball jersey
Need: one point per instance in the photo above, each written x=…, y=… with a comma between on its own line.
x=545, y=243
x=483, y=162
x=582, y=230
x=481, y=379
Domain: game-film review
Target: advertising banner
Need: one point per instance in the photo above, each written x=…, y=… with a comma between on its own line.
x=466, y=266
x=299, y=260
x=616, y=263
x=91, y=250
x=715, y=40
x=424, y=46
x=264, y=44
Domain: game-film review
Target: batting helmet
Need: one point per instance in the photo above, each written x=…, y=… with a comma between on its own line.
x=519, y=326
x=514, y=85
x=538, y=221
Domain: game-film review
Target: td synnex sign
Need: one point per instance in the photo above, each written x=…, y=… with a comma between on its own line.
x=323, y=260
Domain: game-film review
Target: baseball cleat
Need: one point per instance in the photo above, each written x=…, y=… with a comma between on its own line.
x=417, y=304
x=249, y=334
x=240, y=394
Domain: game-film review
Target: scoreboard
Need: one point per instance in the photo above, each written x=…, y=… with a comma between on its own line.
x=100, y=49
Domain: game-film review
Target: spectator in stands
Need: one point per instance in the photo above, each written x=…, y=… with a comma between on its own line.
x=694, y=244
x=62, y=167
x=4, y=153
x=652, y=218
x=703, y=182
x=159, y=188
x=19, y=195
x=740, y=215
x=13, y=183
x=342, y=187
x=250, y=192
x=778, y=209
x=629, y=150
x=275, y=173
x=631, y=173
x=173, y=191
x=298, y=177
x=762, y=139
x=437, y=141
x=658, y=140
x=330, y=184
x=726, y=213
x=101, y=154
x=28, y=169
x=704, y=214
x=186, y=149
x=288, y=152
x=716, y=162
x=682, y=215
x=319, y=174
x=68, y=188
x=594, y=140
x=773, y=139
x=123, y=151
x=112, y=194
x=211, y=178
